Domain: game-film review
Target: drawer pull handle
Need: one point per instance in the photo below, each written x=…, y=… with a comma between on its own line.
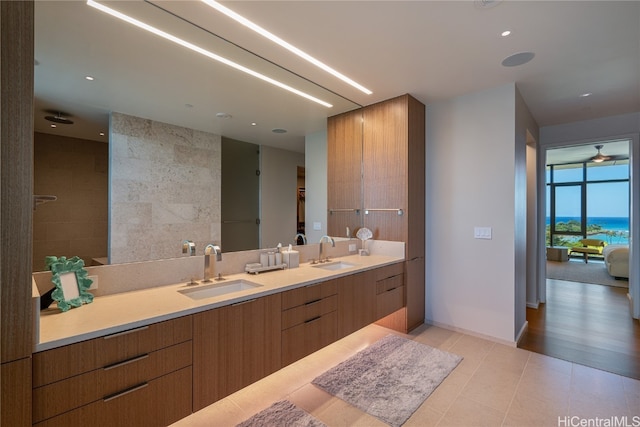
x=124, y=393
x=313, y=319
x=244, y=302
x=313, y=302
x=131, y=331
x=392, y=289
x=126, y=362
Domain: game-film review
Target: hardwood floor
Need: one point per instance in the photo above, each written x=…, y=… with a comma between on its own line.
x=587, y=324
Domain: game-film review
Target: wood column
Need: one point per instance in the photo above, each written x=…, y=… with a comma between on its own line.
x=16, y=208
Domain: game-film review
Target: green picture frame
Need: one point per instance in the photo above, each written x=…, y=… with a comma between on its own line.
x=70, y=280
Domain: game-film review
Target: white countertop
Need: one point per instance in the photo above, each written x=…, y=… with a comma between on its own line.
x=119, y=312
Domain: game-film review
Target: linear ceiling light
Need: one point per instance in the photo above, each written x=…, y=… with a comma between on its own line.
x=202, y=51
x=258, y=29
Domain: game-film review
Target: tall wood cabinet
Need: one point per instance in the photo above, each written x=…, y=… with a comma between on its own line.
x=16, y=206
x=391, y=185
x=344, y=172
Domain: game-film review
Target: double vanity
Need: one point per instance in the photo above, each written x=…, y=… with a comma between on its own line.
x=153, y=356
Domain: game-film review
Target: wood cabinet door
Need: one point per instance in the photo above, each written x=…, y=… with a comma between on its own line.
x=234, y=346
x=356, y=302
x=344, y=173
x=15, y=393
x=415, y=292
x=385, y=168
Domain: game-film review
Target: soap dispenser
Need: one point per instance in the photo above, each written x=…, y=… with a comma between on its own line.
x=291, y=257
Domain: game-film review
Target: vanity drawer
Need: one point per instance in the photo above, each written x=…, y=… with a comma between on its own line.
x=389, y=302
x=156, y=403
x=309, y=311
x=61, y=396
x=307, y=294
x=57, y=364
x=389, y=270
x=389, y=284
x=303, y=339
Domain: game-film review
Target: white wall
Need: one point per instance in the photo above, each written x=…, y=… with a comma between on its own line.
x=278, y=195
x=620, y=126
x=470, y=178
x=526, y=229
x=316, y=185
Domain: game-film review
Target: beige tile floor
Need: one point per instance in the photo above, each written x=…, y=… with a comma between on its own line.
x=495, y=385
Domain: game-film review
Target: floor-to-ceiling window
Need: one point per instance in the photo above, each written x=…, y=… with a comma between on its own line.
x=588, y=199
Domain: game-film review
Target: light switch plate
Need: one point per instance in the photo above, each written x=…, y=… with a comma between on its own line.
x=482, y=233
x=317, y=226
x=352, y=247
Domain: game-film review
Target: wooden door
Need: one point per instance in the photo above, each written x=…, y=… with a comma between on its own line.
x=385, y=169
x=234, y=346
x=344, y=173
x=356, y=302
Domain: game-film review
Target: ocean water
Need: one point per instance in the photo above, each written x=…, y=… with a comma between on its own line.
x=620, y=225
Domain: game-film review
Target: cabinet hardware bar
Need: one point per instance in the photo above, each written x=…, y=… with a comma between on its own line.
x=126, y=362
x=313, y=302
x=357, y=211
x=124, y=393
x=131, y=331
x=312, y=320
x=244, y=302
x=399, y=211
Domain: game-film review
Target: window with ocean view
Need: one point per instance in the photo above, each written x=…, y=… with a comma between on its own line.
x=588, y=200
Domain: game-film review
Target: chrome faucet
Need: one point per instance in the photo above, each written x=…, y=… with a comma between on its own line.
x=304, y=238
x=333, y=245
x=209, y=267
x=188, y=247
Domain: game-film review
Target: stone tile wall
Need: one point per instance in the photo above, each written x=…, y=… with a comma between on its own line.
x=165, y=188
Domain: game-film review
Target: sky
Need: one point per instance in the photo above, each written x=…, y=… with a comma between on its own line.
x=603, y=200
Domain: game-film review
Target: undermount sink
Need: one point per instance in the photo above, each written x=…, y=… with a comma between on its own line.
x=335, y=265
x=216, y=289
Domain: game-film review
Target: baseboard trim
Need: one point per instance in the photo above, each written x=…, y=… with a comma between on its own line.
x=523, y=331
x=471, y=333
x=535, y=305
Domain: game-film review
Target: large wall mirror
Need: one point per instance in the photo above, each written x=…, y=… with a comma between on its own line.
x=163, y=100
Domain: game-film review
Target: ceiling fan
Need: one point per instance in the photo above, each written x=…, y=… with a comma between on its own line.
x=599, y=157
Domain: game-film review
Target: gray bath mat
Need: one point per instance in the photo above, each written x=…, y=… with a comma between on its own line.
x=282, y=414
x=389, y=379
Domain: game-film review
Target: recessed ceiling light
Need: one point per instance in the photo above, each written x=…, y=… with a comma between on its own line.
x=505, y=33
x=90, y=78
x=53, y=126
x=254, y=124
x=279, y=130
x=584, y=95
x=203, y=51
x=101, y=134
x=518, y=59
x=223, y=115
x=258, y=29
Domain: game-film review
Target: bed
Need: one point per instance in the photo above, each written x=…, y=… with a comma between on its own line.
x=616, y=259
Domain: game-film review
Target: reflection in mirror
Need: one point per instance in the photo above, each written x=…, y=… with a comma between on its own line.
x=144, y=77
